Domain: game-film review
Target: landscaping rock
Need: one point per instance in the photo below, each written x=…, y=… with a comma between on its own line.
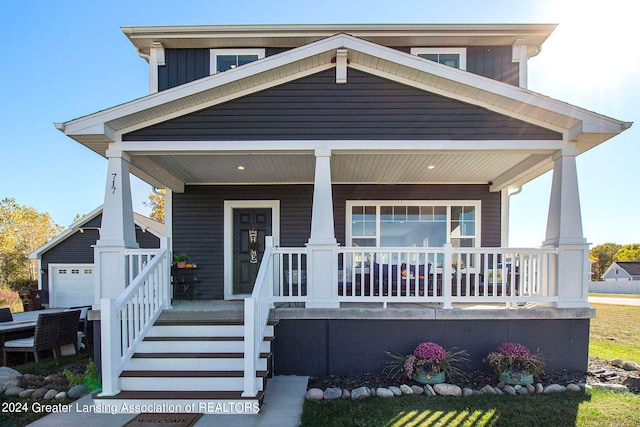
x=501, y=385
x=539, y=388
x=531, y=388
x=573, y=387
x=406, y=389
x=417, y=389
x=50, y=394
x=554, y=388
x=396, y=390
x=445, y=389
x=509, y=389
x=489, y=389
x=372, y=392
x=8, y=374
x=39, y=393
x=612, y=387
x=13, y=390
x=523, y=391
x=61, y=396
x=630, y=366
x=332, y=393
x=429, y=391
x=360, y=393
x=346, y=394
x=466, y=392
x=384, y=392
x=314, y=394
x=78, y=391
x=499, y=392
x=26, y=393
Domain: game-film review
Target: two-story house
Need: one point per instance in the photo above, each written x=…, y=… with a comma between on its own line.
x=348, y=182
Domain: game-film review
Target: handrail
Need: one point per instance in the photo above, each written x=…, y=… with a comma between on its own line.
x=256, y=316
x=127, y=319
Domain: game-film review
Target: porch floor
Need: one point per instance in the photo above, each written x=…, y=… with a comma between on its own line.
x=234, y=311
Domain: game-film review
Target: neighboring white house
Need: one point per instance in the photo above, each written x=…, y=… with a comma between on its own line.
x=622, y=271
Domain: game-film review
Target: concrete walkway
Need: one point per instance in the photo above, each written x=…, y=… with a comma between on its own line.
x=617, y=301
x=282, y=407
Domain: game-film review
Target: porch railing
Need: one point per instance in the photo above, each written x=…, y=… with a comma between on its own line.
x=256, y=317
x=127, y=319
x=437, y=275
x=136, y=260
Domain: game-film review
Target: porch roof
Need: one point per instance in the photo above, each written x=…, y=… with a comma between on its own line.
x=502, y=163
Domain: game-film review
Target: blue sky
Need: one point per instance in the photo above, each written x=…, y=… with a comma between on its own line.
x=66, y=59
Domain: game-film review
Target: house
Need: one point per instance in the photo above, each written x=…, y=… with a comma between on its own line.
x=343, y=190
x=622, y=271
x=66, y=261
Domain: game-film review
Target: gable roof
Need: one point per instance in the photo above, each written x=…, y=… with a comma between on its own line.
x=586, y=128
x=631, y=267
x=146, y=224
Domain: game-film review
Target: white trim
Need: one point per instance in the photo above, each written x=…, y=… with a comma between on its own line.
x=447, y=203
x=478, y=87
x=229, y=206
x=52, y=294
x=460, y=51
x=214, y=53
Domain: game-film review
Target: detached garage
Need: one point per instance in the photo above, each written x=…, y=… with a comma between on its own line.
x=66, y=261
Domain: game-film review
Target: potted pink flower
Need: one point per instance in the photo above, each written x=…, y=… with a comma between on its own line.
x=514, y=363
x=428, y=364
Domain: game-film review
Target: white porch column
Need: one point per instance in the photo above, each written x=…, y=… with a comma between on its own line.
x=117, y=232
x=564, y=231
x=322, y=248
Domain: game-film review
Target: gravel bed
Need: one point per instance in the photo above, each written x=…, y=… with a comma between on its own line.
x=478, y=379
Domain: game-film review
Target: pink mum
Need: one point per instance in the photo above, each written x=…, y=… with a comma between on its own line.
x=431, y=352
x=511, y=349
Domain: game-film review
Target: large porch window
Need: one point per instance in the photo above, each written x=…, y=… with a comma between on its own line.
x=412, y=224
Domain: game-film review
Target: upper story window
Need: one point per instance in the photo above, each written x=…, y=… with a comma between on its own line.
x=453, y=57
x=226, y=59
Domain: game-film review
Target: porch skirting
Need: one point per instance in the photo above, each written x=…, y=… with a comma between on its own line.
x=353, y=341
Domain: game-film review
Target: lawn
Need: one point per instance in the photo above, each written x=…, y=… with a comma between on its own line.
x=615, y=333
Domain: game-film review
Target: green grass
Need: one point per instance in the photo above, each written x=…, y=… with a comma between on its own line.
x=615, y=332
x=598, y=408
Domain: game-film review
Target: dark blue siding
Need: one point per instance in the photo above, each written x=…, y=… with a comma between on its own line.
x=198, y=217
x=367, y=107
x=183, y=66
x=78, y=249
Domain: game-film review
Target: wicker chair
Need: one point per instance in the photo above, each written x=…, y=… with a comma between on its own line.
x=51, y=332
x=5, y=315
x=68, y=332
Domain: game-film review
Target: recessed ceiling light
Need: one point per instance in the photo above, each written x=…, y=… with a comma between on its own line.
x=240, y=168
x=431, y=167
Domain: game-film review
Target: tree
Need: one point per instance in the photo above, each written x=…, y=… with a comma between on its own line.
x=22, y=231
x=629, y=252
x=156, y=202
x=603, y=257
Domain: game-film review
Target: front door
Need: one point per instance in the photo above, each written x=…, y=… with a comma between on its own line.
x=250, y=226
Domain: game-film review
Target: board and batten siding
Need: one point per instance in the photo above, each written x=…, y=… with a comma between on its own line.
x=366, y=108
x=198, y=217
x=186, y=65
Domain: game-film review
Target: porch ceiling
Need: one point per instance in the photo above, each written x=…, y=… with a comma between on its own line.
x=274, y=168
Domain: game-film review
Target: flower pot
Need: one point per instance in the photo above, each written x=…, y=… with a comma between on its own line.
x=516, y=377
x=424, y=377
x=182, y=264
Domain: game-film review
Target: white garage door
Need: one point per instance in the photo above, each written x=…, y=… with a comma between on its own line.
x=71, y=285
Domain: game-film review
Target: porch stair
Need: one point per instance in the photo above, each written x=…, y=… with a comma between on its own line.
x=189, y=360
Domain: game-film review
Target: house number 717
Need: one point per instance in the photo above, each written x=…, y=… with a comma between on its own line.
x=113, y=183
